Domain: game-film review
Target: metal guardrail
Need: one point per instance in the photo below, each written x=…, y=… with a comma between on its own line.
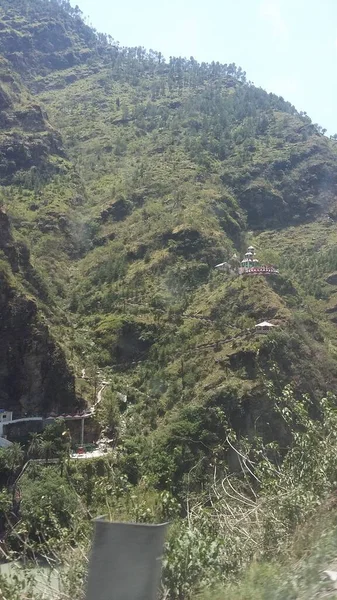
x=125, y=561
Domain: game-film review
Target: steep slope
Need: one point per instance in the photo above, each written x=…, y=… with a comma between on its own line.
x=34, y=376
x=38, y=184
x=39, y=234
x=37, y=37
x=178, y=166
x=167, y=207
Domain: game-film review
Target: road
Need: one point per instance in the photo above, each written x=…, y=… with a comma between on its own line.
x=94, y=454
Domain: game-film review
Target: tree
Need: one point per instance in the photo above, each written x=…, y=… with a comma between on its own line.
x=35, y=445
x=108, y=413
x=14, y=457
x=49, y=507
x=47, y=449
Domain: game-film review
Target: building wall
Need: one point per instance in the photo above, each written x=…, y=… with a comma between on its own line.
x=20, y=432
x=5, y=417
x=91, y=431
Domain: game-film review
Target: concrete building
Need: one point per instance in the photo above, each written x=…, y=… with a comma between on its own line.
x=6, y=416
x=264, y=327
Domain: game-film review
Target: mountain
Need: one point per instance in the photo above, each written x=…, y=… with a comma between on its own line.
x=35, y=376
x=129, y=178
x=125, y=179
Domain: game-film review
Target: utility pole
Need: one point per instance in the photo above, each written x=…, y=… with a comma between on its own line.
x=182, y=375
x=94, y=386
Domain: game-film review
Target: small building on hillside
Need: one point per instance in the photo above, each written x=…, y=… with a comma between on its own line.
x=6, y=416
x=224, y=266
x=264, y=327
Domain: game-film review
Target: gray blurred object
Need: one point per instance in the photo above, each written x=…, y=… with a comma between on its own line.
x=125, y=561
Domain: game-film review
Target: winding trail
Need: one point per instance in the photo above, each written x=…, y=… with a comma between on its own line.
x=99, y=395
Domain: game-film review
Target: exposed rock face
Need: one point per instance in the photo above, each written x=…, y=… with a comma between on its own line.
x=45, y=44
x=33, y=373
x=27, y=141
x=331, y=310
x=34, y=377
x=118, y=210
x=332, y=279
x=6, y=242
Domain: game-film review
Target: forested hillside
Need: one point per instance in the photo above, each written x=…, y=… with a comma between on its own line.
x=130, y=178
x=125, y=178
x=37, y=190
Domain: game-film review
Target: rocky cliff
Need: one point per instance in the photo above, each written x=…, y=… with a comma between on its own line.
x=34, y=376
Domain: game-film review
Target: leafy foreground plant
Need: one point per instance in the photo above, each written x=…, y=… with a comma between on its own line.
x=290, y=579
x=265, y=532
x=259, y=515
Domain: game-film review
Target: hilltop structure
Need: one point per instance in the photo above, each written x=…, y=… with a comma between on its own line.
x=251, y=266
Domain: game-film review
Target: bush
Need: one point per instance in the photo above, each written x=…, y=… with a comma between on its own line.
x=50, y=510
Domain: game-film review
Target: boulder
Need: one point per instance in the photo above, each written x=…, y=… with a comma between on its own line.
x=332, y=279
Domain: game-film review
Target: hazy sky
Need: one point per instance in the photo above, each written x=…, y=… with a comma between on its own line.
x=286, y=46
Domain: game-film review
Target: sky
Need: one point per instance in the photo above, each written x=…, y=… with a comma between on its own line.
x=288, y=47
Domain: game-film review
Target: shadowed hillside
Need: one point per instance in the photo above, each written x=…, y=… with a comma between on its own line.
x=150, y=173
x=125, y=178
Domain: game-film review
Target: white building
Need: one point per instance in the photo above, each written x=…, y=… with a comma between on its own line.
x=6, y=416
x=264, y=327
x=224, y=266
